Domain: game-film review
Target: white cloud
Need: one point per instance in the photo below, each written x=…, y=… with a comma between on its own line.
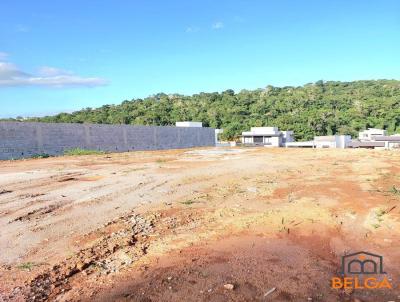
x=218, y=25
x=10, y=71
x=11, y=75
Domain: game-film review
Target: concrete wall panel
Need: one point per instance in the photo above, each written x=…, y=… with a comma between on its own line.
x=19, y=139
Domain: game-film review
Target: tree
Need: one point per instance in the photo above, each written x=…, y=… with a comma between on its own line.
x=313, y=109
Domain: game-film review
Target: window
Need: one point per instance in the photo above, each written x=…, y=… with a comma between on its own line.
x=248, y=140
x=258, y=139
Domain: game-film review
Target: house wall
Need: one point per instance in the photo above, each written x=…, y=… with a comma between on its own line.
x=325, y=144
x=287, y=137
x=247, y=139
x=274, y=141
x=392, y=145
x=343, y=141
x=20, y=139
x=332, y=141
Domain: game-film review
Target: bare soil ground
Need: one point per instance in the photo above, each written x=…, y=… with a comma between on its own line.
x=197, y=225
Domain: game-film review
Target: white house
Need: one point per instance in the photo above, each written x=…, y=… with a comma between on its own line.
x=328, y=141
x=266, y=136
x=332, y=141
x=391, y=142
x=374, y=138
x=367, y=135
x=370, y=138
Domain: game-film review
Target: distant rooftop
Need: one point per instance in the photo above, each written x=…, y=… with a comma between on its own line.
x=270, y=131
x=189, y=124
x=392, y=138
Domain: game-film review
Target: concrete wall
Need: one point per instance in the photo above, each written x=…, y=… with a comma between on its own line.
x=332, y=141
x=274, y=141
x=343, y=141
x=19, y=139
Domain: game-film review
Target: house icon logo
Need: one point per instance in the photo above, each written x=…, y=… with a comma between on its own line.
x=362, y=270
x=363, y=263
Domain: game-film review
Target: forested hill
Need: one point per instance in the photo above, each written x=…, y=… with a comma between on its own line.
x=320, y=108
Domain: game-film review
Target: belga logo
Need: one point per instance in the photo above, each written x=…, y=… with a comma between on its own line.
x=365, y=270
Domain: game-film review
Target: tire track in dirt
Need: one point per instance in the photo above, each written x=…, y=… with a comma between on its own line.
x=281, y=219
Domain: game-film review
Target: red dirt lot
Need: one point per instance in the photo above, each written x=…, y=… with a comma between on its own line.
x=235, y=224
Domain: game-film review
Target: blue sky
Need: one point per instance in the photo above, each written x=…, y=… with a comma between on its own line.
x=65, y=55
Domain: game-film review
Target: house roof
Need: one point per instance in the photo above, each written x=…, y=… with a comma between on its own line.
x=249, y=133
x=362, y=253
x=359, y=144
x=383, y=138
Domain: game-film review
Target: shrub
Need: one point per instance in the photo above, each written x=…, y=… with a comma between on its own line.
x=79, y=151
x=41, y=155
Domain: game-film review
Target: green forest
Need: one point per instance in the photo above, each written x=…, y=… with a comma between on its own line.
x=320, y=108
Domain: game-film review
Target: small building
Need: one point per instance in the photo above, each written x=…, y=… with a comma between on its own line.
x=266, y=136
x=327, y=141
x=374, y=138
x=332, y=141
x=391, y=142
x=367, y=135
